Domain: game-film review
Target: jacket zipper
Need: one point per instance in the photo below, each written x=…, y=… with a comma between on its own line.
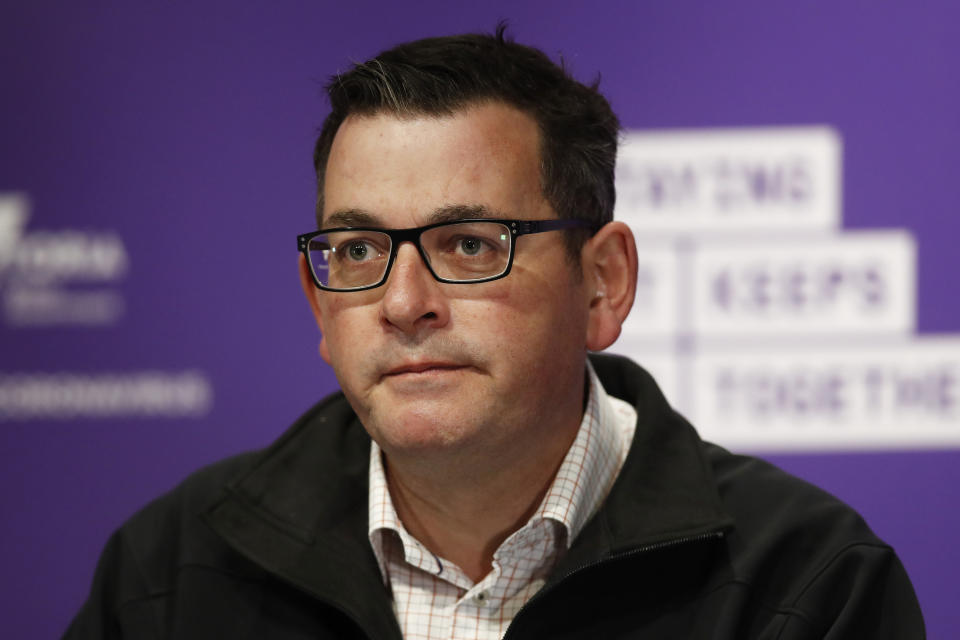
x=657, y=546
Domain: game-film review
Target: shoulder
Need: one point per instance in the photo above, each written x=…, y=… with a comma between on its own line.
x=790, y=549
x=169, y=565
x=172, y=530
x=767, y=504
x=799, y=550
x=174, y=520
x=776, y=511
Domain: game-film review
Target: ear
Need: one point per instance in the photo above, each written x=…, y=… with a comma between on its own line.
x=313, y=299
x=610, y=269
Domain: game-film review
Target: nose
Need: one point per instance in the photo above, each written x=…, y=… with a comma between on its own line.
x=412, y=300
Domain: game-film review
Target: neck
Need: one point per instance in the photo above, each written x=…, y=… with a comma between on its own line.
x=463, y=509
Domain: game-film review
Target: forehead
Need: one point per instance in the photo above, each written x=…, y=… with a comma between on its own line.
x=399, y=168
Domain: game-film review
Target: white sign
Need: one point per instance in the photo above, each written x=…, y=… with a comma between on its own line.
x=722, y=180
x=830, y=396
x=855, y=282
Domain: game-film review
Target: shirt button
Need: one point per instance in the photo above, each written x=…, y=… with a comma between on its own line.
x=481, y=598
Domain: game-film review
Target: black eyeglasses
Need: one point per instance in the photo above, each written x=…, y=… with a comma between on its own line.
x=458, y=252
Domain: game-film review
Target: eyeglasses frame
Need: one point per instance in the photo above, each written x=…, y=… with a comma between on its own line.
x=398, y=236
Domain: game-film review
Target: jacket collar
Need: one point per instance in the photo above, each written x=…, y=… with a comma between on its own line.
x=665, y=492
x=300, y=510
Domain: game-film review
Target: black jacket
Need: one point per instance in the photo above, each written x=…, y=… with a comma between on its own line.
x=692, y=542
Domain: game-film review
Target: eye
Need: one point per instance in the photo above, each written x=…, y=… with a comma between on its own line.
x=358, y=250
x=471, y=246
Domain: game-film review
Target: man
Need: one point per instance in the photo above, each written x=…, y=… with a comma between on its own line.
x=480, y=476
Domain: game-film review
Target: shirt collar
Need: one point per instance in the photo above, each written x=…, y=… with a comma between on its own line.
x=582, y=482
x=592, y=462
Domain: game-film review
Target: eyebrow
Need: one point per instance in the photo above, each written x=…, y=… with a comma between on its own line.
x=351, y=218
x=448, y=213
x=452, y=213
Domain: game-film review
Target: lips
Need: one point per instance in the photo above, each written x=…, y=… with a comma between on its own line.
x=422, y=367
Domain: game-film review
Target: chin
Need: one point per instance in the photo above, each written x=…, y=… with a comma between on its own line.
x=423, y=431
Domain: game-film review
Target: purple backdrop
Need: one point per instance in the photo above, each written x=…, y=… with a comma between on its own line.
x=186, y=129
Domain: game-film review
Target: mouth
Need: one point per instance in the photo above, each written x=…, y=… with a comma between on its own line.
x=423, y=368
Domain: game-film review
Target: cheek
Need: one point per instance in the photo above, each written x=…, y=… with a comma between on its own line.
x=346, y=332
x=530, y=328
x=344, y=313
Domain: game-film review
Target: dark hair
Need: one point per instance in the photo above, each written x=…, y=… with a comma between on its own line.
x=439, y=76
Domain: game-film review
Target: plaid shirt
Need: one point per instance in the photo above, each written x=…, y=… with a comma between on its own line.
x=433, y=598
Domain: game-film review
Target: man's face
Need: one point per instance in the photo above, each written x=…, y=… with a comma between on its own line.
x=430, y=366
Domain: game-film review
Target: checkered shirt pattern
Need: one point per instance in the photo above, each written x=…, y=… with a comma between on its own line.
x=433, y=598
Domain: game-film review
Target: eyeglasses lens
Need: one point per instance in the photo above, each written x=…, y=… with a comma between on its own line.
x=349, y=259
x=467, y=251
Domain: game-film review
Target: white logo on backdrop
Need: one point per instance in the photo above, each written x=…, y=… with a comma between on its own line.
x=766, y=323
x=70, y=278
x=58, y=277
